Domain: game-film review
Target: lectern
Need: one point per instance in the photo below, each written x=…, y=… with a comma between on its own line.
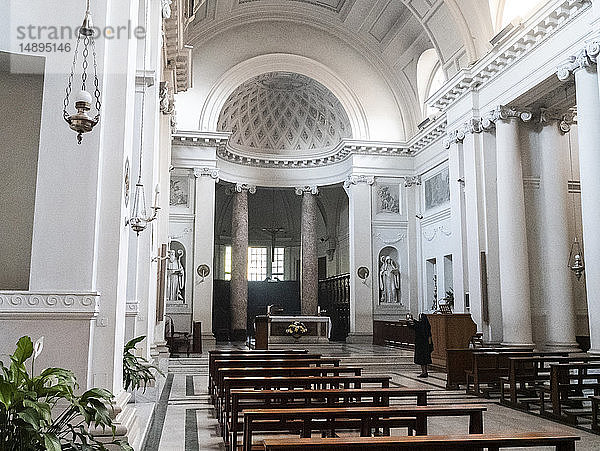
x=449, y=331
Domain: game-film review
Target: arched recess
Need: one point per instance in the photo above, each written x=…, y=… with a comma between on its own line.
x=258, y=65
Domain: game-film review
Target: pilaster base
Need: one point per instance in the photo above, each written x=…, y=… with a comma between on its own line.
x=125, y=422
x=518, y=345
x=359, y=338
x=239, y=335
x=561, y=347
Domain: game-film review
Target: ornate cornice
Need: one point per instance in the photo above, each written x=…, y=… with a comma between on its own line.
x=201, y=139
x=176, y=54
x=357, y=179
x=535, y=30
x=213, y=173
x=308, y=189
x=412, y=180
x=30, y=304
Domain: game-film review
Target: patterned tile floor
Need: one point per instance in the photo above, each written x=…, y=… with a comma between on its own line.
x=184, y=419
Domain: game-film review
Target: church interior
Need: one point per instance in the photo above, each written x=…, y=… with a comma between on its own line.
x=300, y=224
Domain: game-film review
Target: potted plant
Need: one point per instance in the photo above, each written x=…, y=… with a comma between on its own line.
x=137, y=371
x=43, y=412
x=296, y=330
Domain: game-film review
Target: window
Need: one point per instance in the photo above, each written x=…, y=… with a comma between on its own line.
x=278, y=259
x=228, y=263
x=257, y=263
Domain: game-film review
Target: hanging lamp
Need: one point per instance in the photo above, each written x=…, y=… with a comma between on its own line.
x=140, y=219
x=81, y=121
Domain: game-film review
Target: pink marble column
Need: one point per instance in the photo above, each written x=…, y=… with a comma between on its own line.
x=309, y=279
x=239, y=261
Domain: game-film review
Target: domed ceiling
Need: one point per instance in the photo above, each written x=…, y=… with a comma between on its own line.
x=281, y=112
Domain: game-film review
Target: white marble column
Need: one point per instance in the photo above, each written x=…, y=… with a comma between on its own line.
x=309, y=270
x=557, y=279
x=358, y=188
x=588, y=129
x=512, y=234
x=204, y=248
x=239, y=261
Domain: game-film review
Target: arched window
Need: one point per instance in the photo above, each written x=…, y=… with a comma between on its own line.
x=430, y=78
x=505, y=11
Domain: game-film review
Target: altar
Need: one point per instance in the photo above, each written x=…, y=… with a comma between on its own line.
x=271, y=329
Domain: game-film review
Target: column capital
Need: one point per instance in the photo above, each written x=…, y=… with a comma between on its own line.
x=564, y=121
x=239, y=187
x=206, y=171
x=473, y=125
x=504, y=113
x=586, y=57
x=412, y=180
x=356, y=179
x=312, y=189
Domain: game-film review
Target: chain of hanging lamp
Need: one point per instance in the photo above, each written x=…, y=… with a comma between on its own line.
x=81, y=122
x=575, y=262
x=139, y=217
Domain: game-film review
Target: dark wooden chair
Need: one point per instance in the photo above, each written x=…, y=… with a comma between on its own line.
x=176, y=340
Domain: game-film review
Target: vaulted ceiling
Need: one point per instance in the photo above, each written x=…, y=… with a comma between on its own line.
x=390, y=35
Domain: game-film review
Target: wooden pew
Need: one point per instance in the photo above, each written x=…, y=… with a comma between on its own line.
x=247, y=356
x=561, y=442
x=529, y=373
x=460, y=360
x=280, y=361
x=273, y=399
x=488, y=367
x=296, y=382
x=595, y=408
x=306, y=420
x=567, y=382
x=222, y=373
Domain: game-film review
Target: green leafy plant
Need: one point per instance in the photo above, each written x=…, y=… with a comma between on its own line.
x=450, y=297
x=137, y=371
x=27, y=404
x=296, y=329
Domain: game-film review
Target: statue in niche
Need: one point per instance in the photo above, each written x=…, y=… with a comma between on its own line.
x=175, y=277
x=389, y=281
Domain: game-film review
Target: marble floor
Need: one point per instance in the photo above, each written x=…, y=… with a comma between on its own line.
x=184, y=419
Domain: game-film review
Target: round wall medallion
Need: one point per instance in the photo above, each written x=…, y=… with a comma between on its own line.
x=362, y=272
x=127, y=184
x=203, y=271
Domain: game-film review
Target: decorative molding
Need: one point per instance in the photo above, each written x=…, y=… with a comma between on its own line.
x=431, y=233
x=473, y=125
x=213, y=173
x=177, y=55
x=504, y=113
x=531, y=182
x=218, y=140
x=574, y=187
x=71, y=304
x=166, y=98
x=144, y=80
x=400, y=236
x=356, y=179
x=412, y=180
x=536, y=30
x=312, y=189
x=132, y=308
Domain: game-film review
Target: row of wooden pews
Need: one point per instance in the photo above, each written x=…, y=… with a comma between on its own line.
x=556, y=385
x=294, y=394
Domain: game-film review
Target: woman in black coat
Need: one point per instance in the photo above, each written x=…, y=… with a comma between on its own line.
x=423, y=343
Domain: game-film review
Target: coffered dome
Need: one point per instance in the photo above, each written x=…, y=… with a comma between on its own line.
x=281, y=112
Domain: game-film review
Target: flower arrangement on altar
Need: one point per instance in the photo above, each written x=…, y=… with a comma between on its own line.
x=296, y=329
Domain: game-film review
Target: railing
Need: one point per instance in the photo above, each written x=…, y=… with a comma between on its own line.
x=334, y=298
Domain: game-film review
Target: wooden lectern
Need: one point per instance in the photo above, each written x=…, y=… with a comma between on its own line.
x=449, y=331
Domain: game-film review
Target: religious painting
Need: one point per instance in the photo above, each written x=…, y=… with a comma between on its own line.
x=180, y=191
x=437, y=190
x=176, y=268
x=390, y=289
x=388, y=198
